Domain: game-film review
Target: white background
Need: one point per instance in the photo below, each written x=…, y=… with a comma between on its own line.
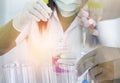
x=9, y=9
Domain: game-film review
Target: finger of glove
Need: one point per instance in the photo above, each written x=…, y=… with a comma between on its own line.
x=36, y=14
x=31, y=16
x=95, y=72
x=85, y=22
x=100, y=74
x=85, y=13
x=44, y=6
x=41, y=10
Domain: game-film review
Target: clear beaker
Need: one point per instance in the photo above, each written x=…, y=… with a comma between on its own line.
x=62, y=73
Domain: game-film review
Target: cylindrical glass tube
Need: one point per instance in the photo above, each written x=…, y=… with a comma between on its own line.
x=18, y=73
x=62, y=73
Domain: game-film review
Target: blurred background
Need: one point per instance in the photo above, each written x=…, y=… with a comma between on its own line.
x=9, y=9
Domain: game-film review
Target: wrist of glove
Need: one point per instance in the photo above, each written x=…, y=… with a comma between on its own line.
x=36, y=11
x=20, y=22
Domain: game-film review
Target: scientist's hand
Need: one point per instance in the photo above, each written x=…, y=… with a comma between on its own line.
x=102, y=73
x=87, y=22
x=100, y=63
x=35, y=11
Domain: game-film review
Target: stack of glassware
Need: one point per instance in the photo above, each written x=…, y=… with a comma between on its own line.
x=22, y=73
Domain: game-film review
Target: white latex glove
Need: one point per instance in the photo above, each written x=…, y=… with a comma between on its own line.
x=87, y=21
x=35, y=11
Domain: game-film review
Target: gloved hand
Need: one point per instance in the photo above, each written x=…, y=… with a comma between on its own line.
x=102, y=72
x=87, y=21
x=35, y=11
x=99, y=55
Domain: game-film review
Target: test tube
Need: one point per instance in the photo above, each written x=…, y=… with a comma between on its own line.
x=9, y=73
x=18, y=73
x=28, y=74
x=22, y=73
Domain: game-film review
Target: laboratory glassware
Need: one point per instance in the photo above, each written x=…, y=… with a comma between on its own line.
x=18, y=73
x=62, y=73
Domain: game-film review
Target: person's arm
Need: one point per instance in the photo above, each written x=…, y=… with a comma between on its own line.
x=7, y=37
x=34, y=11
